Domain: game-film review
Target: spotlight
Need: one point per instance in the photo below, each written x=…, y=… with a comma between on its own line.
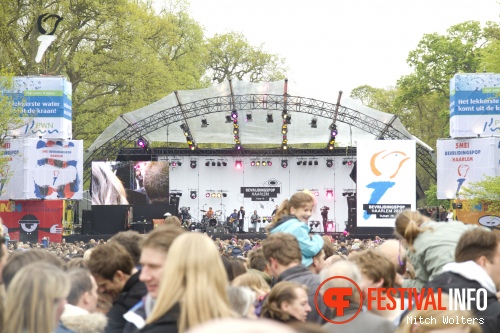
x=257, y=163
x=329, y=193
x=184, y=128
x=219, y=164
x=192, y=164
x=142, y=143
x=252, y=163
x=238, y=146
x=213, y=163
x=284, y=164
x=315, y=162
x=344, y=194
x=193, y=194
x=204, y=122
x=179, y=163
x=316, y=224
x=284, y=129
x=344, y=161
x=238, y=164
x=224, y=195
x=174, y=164
x=333, y=129
x=219, y=195
x=234, y=114
x=207, y=163
x=284, y=146
x=213, y=195
x=269, y=118
x=349, y=162
x=316, y=193
x=329, y=163
x=269, y=163
x=249, y=116
x=310, y=162
x=299, y=162
x=229, y=119
x=224, y=163
x=314, y=122
x=207, y=195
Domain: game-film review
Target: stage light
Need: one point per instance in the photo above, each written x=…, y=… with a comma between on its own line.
x=316, y=224
x=219, y=194
x=344, y=161
x=193, y=194
x=252, y=163
x=329, y=163
x=284, y=164
x=229, y=119
x=310, y=162
x=269, y=163
x=333, y=129
x=269, y=118
x=173, y=164
x=284, y=146
x=207, y=163
x=179, y=163
x=142, y=143
x=234, y=114
x=329, y=193
x=238, y=164
x=219, y=164
x=315, y=162
x=213, y=163
x=207, y=195
x=284, y=129
x=249, y=116
x=264, y=163
x=344, y=194
x=237, y=147
x=224, y=163
x=224, y=195
x=257, y=163
x=204, y=122
x=349, y=162
x=184, y=128
x=214, y=195
x=192, y=164
x=316, y=193
x=299, y=162
x=314, y=122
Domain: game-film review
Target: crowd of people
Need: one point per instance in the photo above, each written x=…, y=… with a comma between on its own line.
x=171, y=280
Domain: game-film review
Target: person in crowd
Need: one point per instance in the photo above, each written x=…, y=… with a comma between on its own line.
x=365, y=321
x=394, y=251
x=282, y=252
x=172, y=220
x=430, y=245
x=107, y=189
x=247, y=246
x=130, y=240
x=449, y=216
x=18, y=260
x=434, y=321
x=318, y=262
x=113, y=269
x=35, y=299
x=156, y=182
x=292, y=217
x=287, y=302
x=79, y=313
x=242, y=301
x=257, y=284
x=153, y=255
x=193, y=289
x=477, y=265
x=378, y=272
x=257, y=264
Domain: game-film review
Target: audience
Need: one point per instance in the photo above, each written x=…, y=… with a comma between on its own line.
x=287, y=302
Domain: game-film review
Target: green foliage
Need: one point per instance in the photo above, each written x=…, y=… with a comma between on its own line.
x=230, y=56
x=431, y=199
x=484, y=191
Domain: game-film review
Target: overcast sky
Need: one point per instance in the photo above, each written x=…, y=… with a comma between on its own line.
x=332, y=45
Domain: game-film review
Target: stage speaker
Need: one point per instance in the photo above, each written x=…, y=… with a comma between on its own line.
x=262, y=230
x=86, y=215
x=220, y=230
x=353, y=172
x=252, y=230
x=87, y=228
x=210, y=230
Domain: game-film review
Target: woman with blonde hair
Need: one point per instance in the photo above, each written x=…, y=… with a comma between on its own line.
x=193, y=289
x=107, y=188
x=431, y=245
x=35, y=299
x=287, y=302
x=257, y=284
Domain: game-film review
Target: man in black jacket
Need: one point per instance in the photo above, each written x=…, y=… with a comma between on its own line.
x=283, y=255
x=477, y=266
x=113, y=269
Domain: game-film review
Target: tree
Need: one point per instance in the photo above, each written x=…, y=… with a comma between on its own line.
x=230, y=56
x=486, y=191
x=119, y=54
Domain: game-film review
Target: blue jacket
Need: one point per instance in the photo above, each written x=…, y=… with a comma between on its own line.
x=309, y=245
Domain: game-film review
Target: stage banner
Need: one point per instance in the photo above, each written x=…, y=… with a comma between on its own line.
x=12, y=169
x=474, y=105
x=386, y=181
x=31, y=220
x=47, y=101
x=460, y=162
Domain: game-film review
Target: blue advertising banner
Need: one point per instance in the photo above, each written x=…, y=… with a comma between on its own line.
x=474, y=105
x=47, y=103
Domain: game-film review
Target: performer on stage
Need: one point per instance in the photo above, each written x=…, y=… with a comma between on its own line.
x=210, y=213
x=274, y=211
x=241, y=219
x=254, y=218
